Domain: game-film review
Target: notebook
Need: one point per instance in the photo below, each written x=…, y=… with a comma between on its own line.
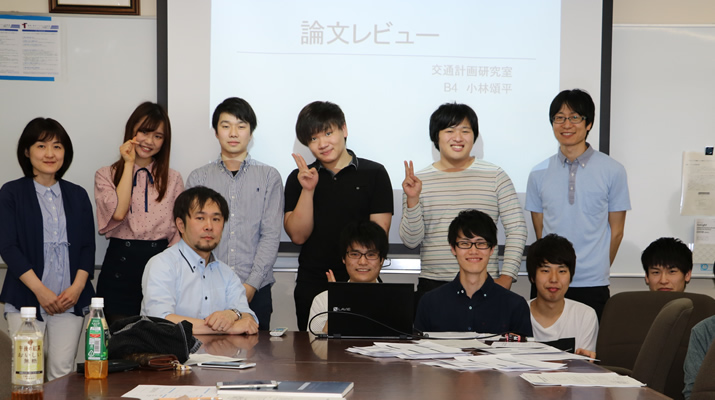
x=370, y=310
x=289, y=390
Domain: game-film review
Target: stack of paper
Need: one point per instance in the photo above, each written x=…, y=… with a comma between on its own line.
x=498, y=362
x=458, y=335
x=605, y=379
x=504, y=356
x=458, y=343
x=409, y=351
x=532, y=351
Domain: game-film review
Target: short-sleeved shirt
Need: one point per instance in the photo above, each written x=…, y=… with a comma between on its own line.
x=147, y=218
x=491, y=309
x=360, y=189
x=575, y=199
x=178, y=281
x=577, y=321
x=253, y=230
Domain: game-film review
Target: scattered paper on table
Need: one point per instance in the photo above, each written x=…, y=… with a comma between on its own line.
x=410, y=351
x=604, y=379
x=496, y=362
x=459, y=343
x=153, y=392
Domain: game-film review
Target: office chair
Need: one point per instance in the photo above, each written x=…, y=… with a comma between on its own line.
x=661, y=343
x=627, y=318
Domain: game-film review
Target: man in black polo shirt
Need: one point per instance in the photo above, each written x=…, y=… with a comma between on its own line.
x=473, y=302
x=321, y=198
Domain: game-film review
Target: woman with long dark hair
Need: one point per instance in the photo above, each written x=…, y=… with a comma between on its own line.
x=135, y=199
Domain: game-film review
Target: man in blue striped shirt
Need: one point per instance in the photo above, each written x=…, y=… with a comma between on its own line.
x=254, y=192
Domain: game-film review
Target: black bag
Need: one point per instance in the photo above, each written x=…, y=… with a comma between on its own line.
x=142, y=334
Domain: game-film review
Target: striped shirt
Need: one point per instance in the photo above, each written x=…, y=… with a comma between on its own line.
x=249, y=244
x=56, y=272
x=482, y=186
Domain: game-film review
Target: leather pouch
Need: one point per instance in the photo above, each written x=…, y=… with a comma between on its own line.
x=154, y=361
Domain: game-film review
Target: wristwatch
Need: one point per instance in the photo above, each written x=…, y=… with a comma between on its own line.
x=238, y=313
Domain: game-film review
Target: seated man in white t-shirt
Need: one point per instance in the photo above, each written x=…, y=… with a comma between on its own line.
x=551, y=262
x=364, y=248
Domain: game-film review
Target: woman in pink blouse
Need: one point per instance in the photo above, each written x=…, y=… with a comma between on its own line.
x=135, y=200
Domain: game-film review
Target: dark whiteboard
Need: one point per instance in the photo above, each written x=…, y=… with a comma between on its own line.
x=108, y=68
x=663, y=103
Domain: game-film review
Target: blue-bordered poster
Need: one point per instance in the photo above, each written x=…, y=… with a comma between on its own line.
x=29, y=48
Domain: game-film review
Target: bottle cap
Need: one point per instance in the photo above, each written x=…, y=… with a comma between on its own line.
x=97, y=302
x=27, y=312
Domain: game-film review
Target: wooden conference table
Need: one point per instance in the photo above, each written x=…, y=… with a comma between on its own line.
x=298, y=356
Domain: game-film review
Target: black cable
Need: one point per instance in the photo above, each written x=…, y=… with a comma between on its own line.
x=310, y=328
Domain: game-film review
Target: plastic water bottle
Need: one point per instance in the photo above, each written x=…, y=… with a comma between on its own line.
x=96, y=340
x=27, y=359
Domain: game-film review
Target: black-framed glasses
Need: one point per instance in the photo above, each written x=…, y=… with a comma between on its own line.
x=370, y=255
x=481, y=245
x=574, y=119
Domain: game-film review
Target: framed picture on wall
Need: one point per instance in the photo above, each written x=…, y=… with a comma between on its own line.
x=117, y=7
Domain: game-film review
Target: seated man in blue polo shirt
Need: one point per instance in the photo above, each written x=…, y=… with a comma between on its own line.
x=187, y=283
x=473, y=302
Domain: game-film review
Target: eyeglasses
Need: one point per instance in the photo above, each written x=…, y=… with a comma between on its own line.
x=370, y=255
x=574, y=119
x=481, y=245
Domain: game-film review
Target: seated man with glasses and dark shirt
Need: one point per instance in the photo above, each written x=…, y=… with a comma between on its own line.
x=364, y=248
x=473, y=302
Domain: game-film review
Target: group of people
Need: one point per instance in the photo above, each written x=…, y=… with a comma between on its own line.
x=204, y=251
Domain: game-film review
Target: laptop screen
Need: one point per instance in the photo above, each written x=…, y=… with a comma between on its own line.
x=370, y=310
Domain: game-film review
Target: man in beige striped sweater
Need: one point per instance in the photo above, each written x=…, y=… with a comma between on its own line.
x=435, y=195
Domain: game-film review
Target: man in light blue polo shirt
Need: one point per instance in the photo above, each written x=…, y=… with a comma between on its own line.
x=582, y=195
x=187, y=283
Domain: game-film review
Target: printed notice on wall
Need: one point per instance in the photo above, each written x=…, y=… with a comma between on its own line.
x=29, y=48
x=704, y=247
x=698, y=184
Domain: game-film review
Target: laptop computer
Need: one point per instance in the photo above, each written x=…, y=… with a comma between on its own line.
x=370, y=310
